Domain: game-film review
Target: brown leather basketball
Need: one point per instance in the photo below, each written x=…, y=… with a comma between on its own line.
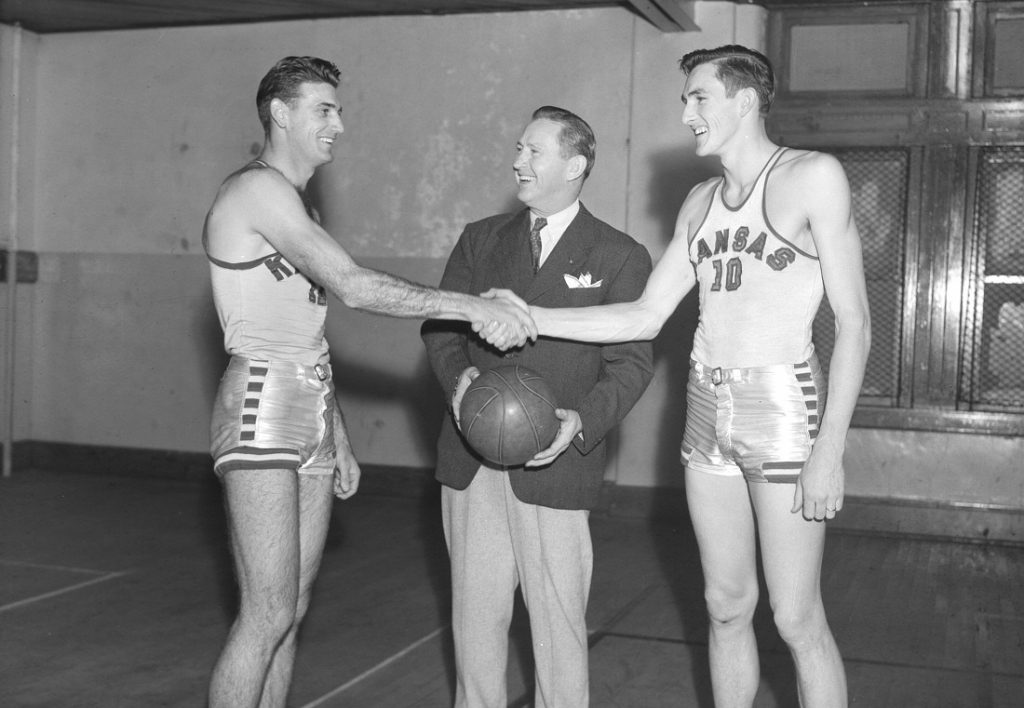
x=508, y=415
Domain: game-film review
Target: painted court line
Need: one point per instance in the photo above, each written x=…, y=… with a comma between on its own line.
x=369, y=672
x=47, y=566
x=595, y=636
x=101, y=576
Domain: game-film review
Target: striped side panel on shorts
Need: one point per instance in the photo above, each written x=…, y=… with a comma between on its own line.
x=782, y=472
x=806, y=380
x=251, y=406
x=787, y=472
x=258, y=458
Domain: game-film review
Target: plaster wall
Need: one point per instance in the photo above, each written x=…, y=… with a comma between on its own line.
x=131, y=132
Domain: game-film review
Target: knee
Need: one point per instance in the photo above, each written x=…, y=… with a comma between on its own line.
x=301, y=607
x=730, y=605
x=799, y=625
x=271, y=614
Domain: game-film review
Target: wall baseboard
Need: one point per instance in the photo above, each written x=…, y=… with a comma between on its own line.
x=869, y=515
x=115, y=461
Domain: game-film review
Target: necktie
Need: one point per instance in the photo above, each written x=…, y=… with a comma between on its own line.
x=538, y=224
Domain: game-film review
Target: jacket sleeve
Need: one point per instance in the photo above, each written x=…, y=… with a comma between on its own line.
x=626, y=369
x=446, y=341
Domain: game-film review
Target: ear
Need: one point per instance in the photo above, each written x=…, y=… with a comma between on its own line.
x=748, y=101
x=577, y=166
x=279, y=112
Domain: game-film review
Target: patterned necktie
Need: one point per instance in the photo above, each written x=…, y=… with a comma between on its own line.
x=538, y=224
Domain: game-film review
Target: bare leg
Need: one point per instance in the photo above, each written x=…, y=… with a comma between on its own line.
x=791, y=551
x=263, y=520
x=315, y=504
x=724, y=525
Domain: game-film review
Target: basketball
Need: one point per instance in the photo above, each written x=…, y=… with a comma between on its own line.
x=508, y=415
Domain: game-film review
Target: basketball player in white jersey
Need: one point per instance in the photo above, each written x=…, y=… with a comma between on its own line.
x=763, y=453
x=278, y=441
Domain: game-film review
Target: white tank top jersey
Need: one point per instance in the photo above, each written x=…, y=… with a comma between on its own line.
x=759, y=290
x=269, y=310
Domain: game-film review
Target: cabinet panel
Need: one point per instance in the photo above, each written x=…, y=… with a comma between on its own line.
x=852, y=50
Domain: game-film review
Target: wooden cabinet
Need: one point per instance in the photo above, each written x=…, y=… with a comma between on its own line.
x=924, y=104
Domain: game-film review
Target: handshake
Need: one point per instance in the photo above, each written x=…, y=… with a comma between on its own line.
x=503, y=319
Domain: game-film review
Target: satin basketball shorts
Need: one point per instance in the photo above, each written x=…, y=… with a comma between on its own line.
x=759, y=422
x=273, y=415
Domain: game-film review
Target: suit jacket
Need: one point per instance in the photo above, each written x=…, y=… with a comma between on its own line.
x=600, y=382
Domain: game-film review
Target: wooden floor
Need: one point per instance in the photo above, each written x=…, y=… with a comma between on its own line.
x=116, y=592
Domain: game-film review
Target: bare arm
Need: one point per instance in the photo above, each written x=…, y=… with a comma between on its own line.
x=830, y=218
x=643, y=318
x=272, y=208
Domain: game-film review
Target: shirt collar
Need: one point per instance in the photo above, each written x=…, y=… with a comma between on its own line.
x=560, y=220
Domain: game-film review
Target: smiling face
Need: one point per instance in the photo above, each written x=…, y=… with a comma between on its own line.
x=312, y=121
x=708, y=110
x=549, y=181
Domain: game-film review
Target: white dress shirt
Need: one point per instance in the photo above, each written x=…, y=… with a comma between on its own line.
x=553, y=230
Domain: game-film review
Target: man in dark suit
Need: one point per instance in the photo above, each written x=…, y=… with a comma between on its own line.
x=528, y=526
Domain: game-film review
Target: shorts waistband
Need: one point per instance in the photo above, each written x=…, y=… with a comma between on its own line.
x=720, y=374
x=321, y=372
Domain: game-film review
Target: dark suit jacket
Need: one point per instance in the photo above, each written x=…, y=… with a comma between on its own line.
x=601, y=382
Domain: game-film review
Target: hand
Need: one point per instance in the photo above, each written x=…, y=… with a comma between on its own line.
x=506, y=294
x=505, y=320
x=569, y=428
x=465, y=378
x=820, y=486
x=346, y=474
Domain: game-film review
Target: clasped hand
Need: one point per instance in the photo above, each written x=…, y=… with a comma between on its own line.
x=505, y=320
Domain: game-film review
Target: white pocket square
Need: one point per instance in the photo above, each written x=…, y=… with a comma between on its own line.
x=581, y=281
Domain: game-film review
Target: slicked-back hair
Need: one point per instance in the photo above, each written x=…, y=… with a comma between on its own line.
x=576, y=137
x=737, y=67
x=284, y=80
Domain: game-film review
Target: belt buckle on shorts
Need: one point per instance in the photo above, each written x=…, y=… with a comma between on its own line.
x=321, y=372
x=716, y=376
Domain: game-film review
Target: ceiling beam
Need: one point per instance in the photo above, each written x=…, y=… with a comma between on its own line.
x=667, y=15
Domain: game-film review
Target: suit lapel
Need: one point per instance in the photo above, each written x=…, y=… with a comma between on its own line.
x=512, y=265
x=570, y=251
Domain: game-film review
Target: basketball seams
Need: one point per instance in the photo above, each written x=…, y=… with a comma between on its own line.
x=479, y=413
x=522, y=404
x=522, y=379
x=495, y=395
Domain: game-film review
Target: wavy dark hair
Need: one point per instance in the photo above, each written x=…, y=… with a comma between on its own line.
x=737, y=67
x=284, y=80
